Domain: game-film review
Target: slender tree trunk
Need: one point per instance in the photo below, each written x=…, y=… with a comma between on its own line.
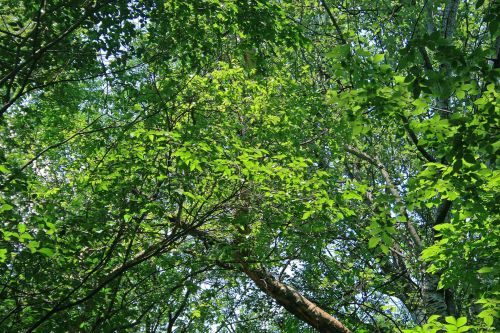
x=435, y=300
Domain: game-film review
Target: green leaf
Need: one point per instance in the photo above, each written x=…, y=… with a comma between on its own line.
x=461, y=321
x=384, y=248
x=3, y=255
x=196, y=314
x=33, y=246
x=485, y=270
x=444, y=226
x=421, y=105
x=352, y=195
x=430, y=252
x=51, y=228
x=339, y=52
x=306, y=214
x=373, y=242
x=46, y=251
x=488, y=320
x=434, y=318
x=450, y=328
x=378, y=58
x=451, y=195
x=357, y=128
x=5, y=207
x=21, y=227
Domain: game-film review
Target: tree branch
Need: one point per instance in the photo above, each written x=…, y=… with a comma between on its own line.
x=392, y=188
x=145, y=255
x=414, y=139
x=334, y=22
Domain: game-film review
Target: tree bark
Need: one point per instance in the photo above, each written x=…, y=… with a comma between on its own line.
x=294, y=302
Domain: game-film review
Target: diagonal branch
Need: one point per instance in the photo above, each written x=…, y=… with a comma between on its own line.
x=286, y=296
x=334, y=22
x=293, y=301
x=143, y=256
x=414, y=139
x=392, y=188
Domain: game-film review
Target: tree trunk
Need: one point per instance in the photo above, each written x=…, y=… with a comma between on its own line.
x=294, y=302
x=287, y=297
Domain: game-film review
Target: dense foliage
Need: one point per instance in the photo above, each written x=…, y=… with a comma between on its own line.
x=249, y=166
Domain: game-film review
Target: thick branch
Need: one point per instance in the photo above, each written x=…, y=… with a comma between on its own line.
x=426, y=58
x=449, y=18
x=442, y=211
x=294, y=302
x=284, y=295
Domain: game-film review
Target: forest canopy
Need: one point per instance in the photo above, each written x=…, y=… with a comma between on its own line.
x=249, y=166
